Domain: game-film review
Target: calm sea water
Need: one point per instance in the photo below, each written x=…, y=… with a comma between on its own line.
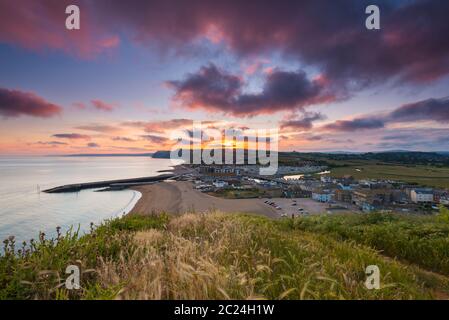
x=24, y=211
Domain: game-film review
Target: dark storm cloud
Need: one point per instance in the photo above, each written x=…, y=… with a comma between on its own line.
x=214, y=89
x=14, y=103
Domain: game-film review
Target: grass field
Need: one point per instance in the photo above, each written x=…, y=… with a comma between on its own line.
x=423, y=175
x=213, y=256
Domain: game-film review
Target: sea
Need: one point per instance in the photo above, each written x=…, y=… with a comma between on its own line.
x=25, y=210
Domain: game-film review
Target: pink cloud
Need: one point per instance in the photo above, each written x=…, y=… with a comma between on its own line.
x=255, y=66
x=14, y=103
x=323, y=34
x=39, y=25
x=103, y=106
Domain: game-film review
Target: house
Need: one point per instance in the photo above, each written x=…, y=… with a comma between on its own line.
x=439, y=194
x=400, y=196
x=322, y=195
x=345, y=186
x=421, y=195
x=373, y=197
x=343, y=195
x=294, y=191
x=326, y=179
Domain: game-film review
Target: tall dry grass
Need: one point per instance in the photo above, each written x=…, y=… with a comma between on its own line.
x=220, y=256
x=187, y=261
x=209, y=256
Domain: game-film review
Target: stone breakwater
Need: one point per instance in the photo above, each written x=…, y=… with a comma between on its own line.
x=108, y=184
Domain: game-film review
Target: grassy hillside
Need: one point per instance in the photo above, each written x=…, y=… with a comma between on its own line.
x=422, y=240
x=212, y=256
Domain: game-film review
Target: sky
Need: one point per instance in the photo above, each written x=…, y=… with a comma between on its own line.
x=137, y=71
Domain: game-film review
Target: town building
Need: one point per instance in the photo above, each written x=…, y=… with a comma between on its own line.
x=373, y=197
x=439, y=194
x=343, y=195
x=295, y=191
x=322, y=195
x=421, y=195
x=399, y=196
x=220, y=171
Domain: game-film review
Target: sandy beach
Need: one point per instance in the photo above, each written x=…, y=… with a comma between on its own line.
x=178, y=197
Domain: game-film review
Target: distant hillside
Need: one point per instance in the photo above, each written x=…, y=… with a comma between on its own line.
x=401, y=157
x=321, y=158
x=394, y=156
x=161, y=155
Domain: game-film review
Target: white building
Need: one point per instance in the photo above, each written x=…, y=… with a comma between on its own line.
x=220, y=184
x=326, y=179
x=421, y=195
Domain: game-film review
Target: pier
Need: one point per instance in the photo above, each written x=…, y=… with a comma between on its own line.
x=113, y=184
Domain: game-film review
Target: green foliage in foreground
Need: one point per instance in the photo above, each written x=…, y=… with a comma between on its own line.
x=422, y=240
x=213, y=256
x=38, y=269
